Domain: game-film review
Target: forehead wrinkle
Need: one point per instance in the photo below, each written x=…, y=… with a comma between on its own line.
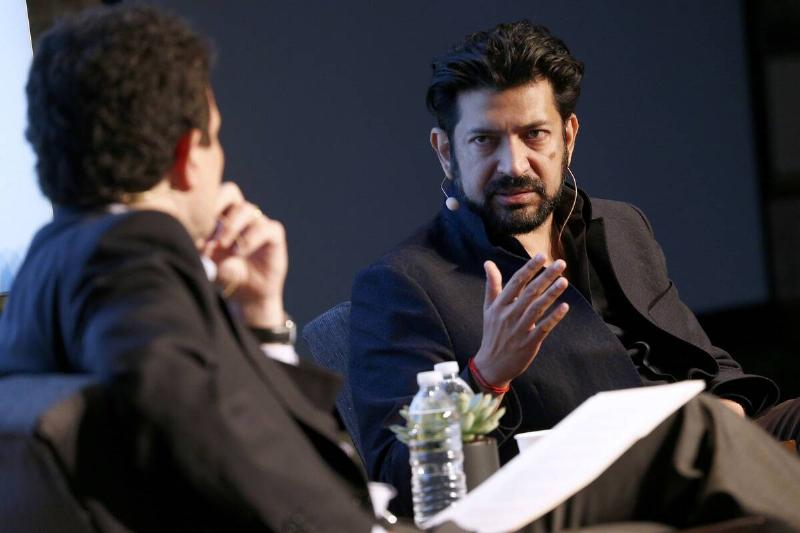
x=522, y=128
x=499, y=110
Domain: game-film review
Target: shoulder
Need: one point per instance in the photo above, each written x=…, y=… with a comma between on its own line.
x=620, y=215
x=602, y=207
x=87, y=251
x=83, y=232
x=423, y=256
x=147, y=228
x=130, y=234
x=81, y=262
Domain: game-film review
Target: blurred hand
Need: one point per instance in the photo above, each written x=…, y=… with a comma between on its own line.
x=514, y=320
x=249, y=250
x=733, y=406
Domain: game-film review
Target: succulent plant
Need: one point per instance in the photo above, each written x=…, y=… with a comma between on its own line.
x=478, y=415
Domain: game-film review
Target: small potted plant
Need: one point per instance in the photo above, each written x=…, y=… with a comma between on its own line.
x=479, y=415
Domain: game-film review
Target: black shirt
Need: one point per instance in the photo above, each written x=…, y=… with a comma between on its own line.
x=583, y=248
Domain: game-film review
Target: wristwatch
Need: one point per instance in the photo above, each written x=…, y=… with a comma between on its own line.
x=285, y=334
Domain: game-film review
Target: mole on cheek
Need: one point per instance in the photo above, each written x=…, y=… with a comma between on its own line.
x=552, y=155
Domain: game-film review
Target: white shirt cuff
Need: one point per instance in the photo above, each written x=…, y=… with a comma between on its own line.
x=284, y=353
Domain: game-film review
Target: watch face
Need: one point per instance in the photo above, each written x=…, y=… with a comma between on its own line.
x=292, y=327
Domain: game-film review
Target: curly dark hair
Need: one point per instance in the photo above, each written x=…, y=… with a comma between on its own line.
x=508, y=55
x=110, y=94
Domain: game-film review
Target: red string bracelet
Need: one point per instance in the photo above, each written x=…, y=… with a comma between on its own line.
x=497, y=391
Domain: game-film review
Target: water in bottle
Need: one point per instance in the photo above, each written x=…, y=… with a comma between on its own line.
x=452, y=383
x=436, y=457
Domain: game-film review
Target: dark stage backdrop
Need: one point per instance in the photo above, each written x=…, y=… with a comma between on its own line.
x=325, y=127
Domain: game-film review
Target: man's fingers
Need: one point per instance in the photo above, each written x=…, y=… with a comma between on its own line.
x=257, y=235
x=542, y=282
x=234, y=220
x=536, y=308
x=520, y=279
x=546, y=325
x=494, y=283
x=229, y=194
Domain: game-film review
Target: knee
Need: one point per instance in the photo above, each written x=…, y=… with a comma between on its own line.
x=783, y=420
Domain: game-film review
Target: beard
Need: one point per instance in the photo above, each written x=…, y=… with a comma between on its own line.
x=515, y=219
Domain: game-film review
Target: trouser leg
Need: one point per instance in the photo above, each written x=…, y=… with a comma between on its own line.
x=782, y=421
x=704, y=464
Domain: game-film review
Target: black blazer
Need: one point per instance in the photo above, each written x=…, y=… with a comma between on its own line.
x=422, y=303
x=192, y=427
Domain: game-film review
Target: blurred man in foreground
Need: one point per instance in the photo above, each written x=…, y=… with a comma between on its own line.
x=192, y=427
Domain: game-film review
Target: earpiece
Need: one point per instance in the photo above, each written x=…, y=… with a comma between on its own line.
x=451, y=202
x=571, y=209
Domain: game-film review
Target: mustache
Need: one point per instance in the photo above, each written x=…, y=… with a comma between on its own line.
x=507, y=184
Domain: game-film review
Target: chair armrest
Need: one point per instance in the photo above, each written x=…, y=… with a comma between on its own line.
x=24, y=398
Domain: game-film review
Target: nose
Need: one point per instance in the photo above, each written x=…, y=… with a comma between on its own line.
x=513, y=160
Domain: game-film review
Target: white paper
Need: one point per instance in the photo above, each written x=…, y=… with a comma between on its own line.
x=570, y=457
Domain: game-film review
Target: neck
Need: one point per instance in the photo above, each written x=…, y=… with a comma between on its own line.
x=540, y=241
x=159, y=199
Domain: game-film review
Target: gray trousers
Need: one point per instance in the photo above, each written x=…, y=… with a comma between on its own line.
x=703, y=465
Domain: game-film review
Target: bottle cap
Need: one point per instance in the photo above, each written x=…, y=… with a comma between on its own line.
x=427, y=379
x=447, y=368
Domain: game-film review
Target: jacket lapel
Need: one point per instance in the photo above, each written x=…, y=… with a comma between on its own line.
x=279, y=382
x=630, y=265
x=622, y=262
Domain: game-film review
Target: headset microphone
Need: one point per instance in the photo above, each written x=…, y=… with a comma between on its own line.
x=451, y=202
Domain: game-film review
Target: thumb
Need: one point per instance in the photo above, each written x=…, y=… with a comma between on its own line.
x=494, y=283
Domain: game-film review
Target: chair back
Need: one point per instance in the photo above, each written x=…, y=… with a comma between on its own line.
x=35, y=491
x=328, y=337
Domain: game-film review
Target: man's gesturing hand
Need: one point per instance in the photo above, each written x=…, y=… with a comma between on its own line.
x=249, y=250
x=514, y=320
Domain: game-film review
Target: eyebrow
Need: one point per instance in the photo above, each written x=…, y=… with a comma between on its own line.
x=530, y=126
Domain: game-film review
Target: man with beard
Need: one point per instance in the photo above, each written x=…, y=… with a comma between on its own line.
x=587, y=303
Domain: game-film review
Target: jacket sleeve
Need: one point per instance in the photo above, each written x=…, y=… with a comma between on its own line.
x=726, y=379
x=396, y=332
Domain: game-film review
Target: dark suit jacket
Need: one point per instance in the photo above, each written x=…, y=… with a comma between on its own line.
x=192, y=427
x=422, y=303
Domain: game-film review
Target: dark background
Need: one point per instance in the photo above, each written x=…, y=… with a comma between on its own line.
x=324, y=126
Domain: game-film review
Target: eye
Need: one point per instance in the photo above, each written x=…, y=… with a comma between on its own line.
x=532, y=135
x=481, y=139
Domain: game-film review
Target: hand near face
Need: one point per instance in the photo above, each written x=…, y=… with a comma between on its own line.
x=249, y=250
x=514, y=319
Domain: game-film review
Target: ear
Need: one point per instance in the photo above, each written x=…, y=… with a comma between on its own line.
x=441, y=145
x=571, y=127
x=180, y=173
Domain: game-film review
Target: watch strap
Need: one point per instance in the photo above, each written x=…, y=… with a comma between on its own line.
x=284, y=334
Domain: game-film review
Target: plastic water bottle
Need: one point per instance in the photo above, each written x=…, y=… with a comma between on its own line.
x=436, y=458
x=452, y=384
